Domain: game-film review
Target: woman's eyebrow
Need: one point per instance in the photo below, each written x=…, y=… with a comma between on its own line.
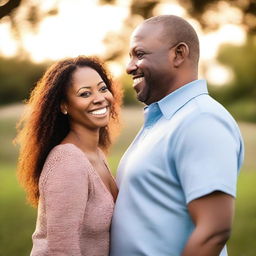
x=88, y=87
x=84, y=87
x=100, y=82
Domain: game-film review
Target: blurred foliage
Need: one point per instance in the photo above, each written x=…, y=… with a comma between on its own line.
x=129, y=93
x=17, y=78
x=143, y=8
x=244, y=110
x=242, y=60
x=106, y=1
x=240, y=94
x=197, y=9
x=29, y=13
x=9, y=7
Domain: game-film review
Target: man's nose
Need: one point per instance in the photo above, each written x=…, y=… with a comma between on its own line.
x=131, y=67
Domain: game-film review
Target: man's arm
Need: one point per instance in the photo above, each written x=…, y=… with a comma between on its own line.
x=212, y=215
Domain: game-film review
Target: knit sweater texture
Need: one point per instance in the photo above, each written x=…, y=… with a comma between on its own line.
x=75, y=207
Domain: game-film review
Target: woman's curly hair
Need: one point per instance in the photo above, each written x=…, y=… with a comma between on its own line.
x=44, y=126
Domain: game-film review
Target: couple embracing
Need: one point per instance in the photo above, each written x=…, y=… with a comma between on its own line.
x=175, y=186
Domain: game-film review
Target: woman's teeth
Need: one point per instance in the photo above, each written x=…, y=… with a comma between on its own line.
x=101, y=111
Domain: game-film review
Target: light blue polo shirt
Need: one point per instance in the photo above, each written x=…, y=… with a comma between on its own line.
x=188, y=147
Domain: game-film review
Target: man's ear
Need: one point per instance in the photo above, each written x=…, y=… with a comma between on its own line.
x=63, y=108
x=181, y=53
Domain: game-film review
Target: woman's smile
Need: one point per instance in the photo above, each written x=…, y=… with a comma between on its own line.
x=99, y=112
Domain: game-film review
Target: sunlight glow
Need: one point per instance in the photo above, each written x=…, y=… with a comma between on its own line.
x=83, y=34
x=79, y=28
x=232, y=34
x=169, y=8
x=224, y=13
x=218, y=74
x=115, y=68
x=209, y=43
x=8, y=46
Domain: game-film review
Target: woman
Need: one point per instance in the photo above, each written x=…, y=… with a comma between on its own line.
x=61, y=163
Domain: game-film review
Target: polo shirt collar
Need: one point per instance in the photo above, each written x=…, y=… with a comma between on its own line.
x=175, y=100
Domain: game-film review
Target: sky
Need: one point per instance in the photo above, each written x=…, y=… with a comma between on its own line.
x=81, y=25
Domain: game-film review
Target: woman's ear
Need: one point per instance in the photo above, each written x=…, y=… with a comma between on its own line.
x=181, y=53
x=63, y=108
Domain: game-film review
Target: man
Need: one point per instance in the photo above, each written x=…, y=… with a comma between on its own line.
x=177, y=180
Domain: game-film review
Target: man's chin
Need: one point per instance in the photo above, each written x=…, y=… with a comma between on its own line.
x=142, y=97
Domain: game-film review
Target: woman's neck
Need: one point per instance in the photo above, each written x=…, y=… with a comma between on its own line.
x=86, y=139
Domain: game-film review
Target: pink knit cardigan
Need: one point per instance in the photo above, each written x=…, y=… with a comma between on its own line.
x=75, y=207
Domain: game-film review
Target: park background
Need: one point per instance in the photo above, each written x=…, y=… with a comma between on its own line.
x=34, y=34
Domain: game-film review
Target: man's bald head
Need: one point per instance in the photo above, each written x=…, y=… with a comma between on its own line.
x=176, y=30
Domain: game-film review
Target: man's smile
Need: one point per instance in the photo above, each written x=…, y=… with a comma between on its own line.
x=137, y=80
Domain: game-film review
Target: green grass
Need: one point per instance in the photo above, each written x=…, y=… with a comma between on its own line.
x=18, y=219
x=242, y=242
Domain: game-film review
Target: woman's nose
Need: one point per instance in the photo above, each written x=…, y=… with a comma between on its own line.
x=98, y=98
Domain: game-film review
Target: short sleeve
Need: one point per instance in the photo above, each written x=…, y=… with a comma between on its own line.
x=65, y=192
x=206, y=158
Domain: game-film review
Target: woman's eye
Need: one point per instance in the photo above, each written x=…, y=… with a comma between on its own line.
x=85, y=94
x=104, y=88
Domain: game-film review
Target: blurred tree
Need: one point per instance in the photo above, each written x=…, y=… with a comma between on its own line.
x=197, y=9
x=243, y=63
x=29, y=13
x=8, y=7
x=17, y=78
x=33, y=14
x=129, y=95
x=240, y=93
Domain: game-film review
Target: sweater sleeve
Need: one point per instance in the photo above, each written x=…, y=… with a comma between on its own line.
x=65, y=192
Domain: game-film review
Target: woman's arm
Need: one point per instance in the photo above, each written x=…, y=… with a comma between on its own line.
x=65, y=195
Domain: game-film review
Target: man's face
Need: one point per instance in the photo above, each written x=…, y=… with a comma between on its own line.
x=150, y=64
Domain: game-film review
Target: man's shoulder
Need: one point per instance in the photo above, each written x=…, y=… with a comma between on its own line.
x=205, y=105
x=204, y=113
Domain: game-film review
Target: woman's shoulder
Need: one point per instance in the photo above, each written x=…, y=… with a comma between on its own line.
x=66, y=159
x=67, y=149
x=67, y=153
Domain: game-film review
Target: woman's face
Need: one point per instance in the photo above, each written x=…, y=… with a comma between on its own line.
x=88, y=99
